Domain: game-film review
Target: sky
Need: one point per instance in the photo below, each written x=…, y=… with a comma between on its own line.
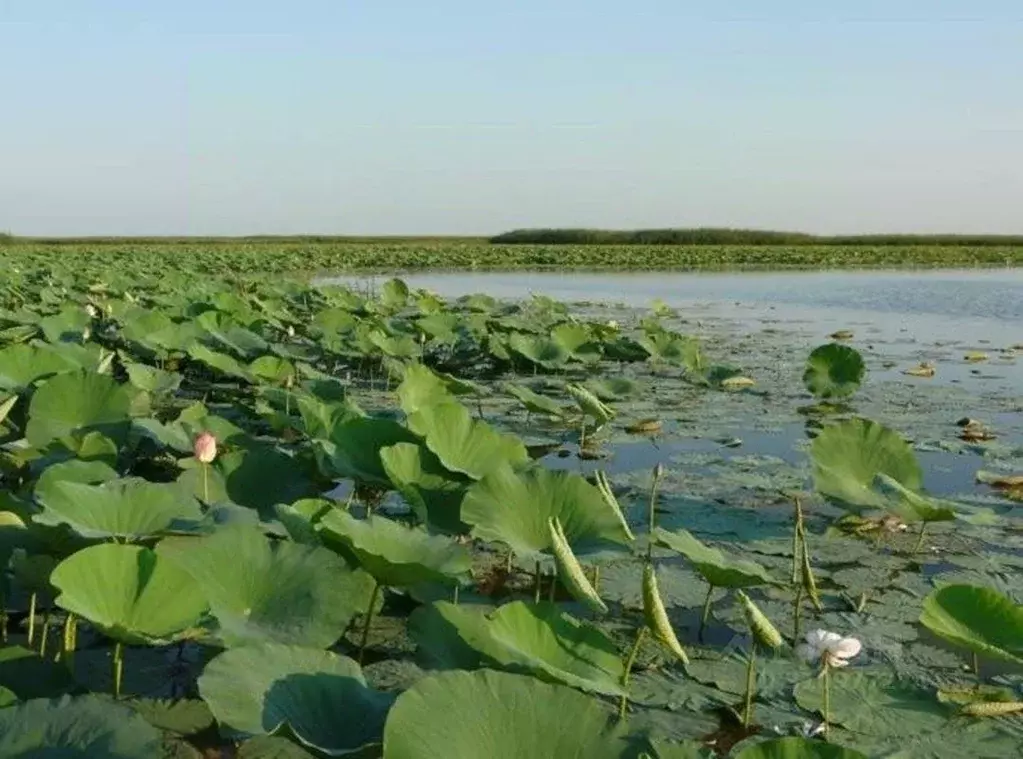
x=475, y=117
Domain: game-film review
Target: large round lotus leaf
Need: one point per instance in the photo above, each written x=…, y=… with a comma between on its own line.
x=273, y=369
x=151, y=379
x=129, y=592
x=73, y=470
x=670, y=347
x=259, y=478
x=272, y=747
x=464, y=444
x=222, y=362
x=536, y=403
x=271, y=592
x=224, y=332
x=614, y=388
x=874, y=702
x=85, y=727
x=321, y=697
x=515, y=508
x=848, y=456
x=470, y=715
x=980, y=619
x=433, y=492
x=125, y=508
x=353, y=450
x=834, y=371
x=544, y=351
x=577, y=340
x=798, y=748
x=394, y=293
x=395, y=555
x=536, y=638
x=420, y=387
x=78, y=401
x=21, y=365
x=718, y=569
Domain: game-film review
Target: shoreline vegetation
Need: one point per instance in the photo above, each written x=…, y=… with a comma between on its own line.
x=545, y=249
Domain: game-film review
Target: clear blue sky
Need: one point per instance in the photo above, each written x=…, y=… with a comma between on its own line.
x=359, y=116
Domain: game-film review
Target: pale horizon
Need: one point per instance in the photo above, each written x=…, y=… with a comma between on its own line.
x=398, y=119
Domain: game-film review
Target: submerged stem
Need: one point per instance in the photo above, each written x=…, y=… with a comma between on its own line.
x=368, y=621
x=751, y=676
x=629, y=662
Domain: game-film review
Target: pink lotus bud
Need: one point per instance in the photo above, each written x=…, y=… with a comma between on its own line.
x=205, y=448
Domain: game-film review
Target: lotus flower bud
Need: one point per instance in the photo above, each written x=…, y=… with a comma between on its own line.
x=205, y=448
x=291, y=331
x=658, y=471
x=91, y=311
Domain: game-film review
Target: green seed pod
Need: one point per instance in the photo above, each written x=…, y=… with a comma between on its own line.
x=809, y=583
x=764, y=632
x=992, y=708
x=609, y=498
x=570, y=571
x=656, y=616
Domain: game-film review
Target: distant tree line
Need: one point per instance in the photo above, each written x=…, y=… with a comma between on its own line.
x=711, y=236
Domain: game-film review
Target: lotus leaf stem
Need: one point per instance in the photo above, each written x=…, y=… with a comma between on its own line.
x=454, y=595
x=536, y=583
x=118, y=668
x=67, y=648
x=705, y=615
x=633, y=653
x=797, y=613
x=554, y=586
x=976, y=664
x=31, y=619
x=596, y=578
x=826, y=674
x=44, y=635
x=206, y=483
x=920, y=538
x=368, y=621
x=652, y=513
x=751, y=677
x=508, y=562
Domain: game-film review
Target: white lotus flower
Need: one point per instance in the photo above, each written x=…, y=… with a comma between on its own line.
x=612, y=324
x=91, y=311
x=828, y=648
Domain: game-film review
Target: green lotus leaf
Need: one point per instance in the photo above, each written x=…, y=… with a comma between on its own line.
x=515, y=508
x=153, y=380
x=440, y=327
x=129, y=508
x=433, y=492
x=353, y=450
x=798, y=748
x=538, y=639
x=394, y=294
x=394, y=346
x=670, y=347
x=717, y=568
x=69, y=325
x=181, y=717
x=834, y=371
x=396, y=556
x=590, y=404
x=78, y=402
x=848, y=456
x=321, y=697
x=543, y=351
x=273, y=369
x=21, y=365
x=912, y=506
x=614, y=388
x=131, y=593
x=272, y=747
x=874, y=702
x=271, y=592
x=259, y=477
x=577, y=340
x=536, y=403
x=222, y=362
x=73, y=470
x=421, y=387
x=979, y=619
x=464, y=444
x=84, y=726
x=512, y=717
x=222, y=331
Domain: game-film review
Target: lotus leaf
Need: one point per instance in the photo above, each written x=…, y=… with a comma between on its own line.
x=354, y=448
x=797, y=748
x=538, y=639
x=128, y=508
x=536, y=403
x=464, y=444
x=433, y=492
x=395, y=555
x=271, y=592
x=834, y=371
x=84, y=726
x=717, y=568
x=848, y=456
x=320, y=696
x=131, y=593
x=979, y=619
x=78, y=402
x=513, y=717
x=515, y=508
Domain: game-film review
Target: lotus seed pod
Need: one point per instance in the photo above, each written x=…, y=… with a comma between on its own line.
x=992, y=708
x=764, y=632
x=205, y=448
x=609, y=498
x=570, y=572
x=656, y=616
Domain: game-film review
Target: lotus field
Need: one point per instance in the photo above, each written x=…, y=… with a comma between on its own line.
x=250, y=517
